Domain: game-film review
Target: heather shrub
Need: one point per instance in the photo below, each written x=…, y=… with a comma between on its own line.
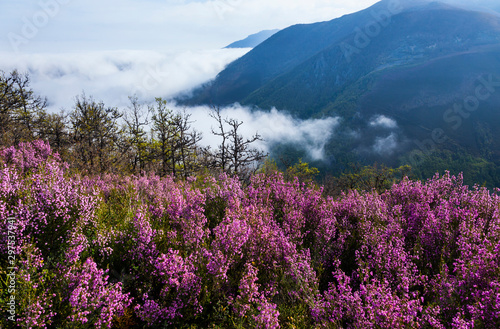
x=211, y=252
x=51, y=219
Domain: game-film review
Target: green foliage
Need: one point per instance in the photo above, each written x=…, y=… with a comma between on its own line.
x=295, y=316
x=366, y=178
x=476, y=170
x=269, y=167
x=302, y=171
x=215, y=210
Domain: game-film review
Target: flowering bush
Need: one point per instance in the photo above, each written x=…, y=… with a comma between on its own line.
x=125, y=252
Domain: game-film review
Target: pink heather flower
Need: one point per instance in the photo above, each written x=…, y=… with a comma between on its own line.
x=422, y=254
x=93, y=298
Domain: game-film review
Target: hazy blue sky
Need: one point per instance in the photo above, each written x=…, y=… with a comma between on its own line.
x=160, y=25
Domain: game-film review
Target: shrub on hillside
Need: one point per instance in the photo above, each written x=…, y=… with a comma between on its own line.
x=144, y=251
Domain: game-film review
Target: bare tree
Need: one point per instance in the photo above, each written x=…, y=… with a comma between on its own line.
x=235, y=154
x=241, y=153
x=186, y=145
x=221, y=159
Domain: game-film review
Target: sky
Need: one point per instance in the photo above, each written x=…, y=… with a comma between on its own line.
x=153, y=25
x=113, y=49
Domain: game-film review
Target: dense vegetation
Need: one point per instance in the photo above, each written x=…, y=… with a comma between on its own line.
x=148, y=251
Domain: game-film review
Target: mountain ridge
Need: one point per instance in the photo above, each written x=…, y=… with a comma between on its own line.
x=411, y=63
x=291, y=47
x=307, y=75
x=253, y=40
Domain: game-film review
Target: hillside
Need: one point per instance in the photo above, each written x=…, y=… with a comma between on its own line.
x=304, y=68
x=411, y=64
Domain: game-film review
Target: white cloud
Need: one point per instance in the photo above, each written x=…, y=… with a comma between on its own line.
x=114, y=75
x=158, y=25
x=385, y=145
x=384, y=122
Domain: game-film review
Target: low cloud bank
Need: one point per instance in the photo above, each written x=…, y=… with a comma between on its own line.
x=112, y=76
x=273, y=126
x=386, y=145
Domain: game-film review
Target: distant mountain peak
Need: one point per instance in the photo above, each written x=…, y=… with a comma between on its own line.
x=325, y=58
x=253, y=40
